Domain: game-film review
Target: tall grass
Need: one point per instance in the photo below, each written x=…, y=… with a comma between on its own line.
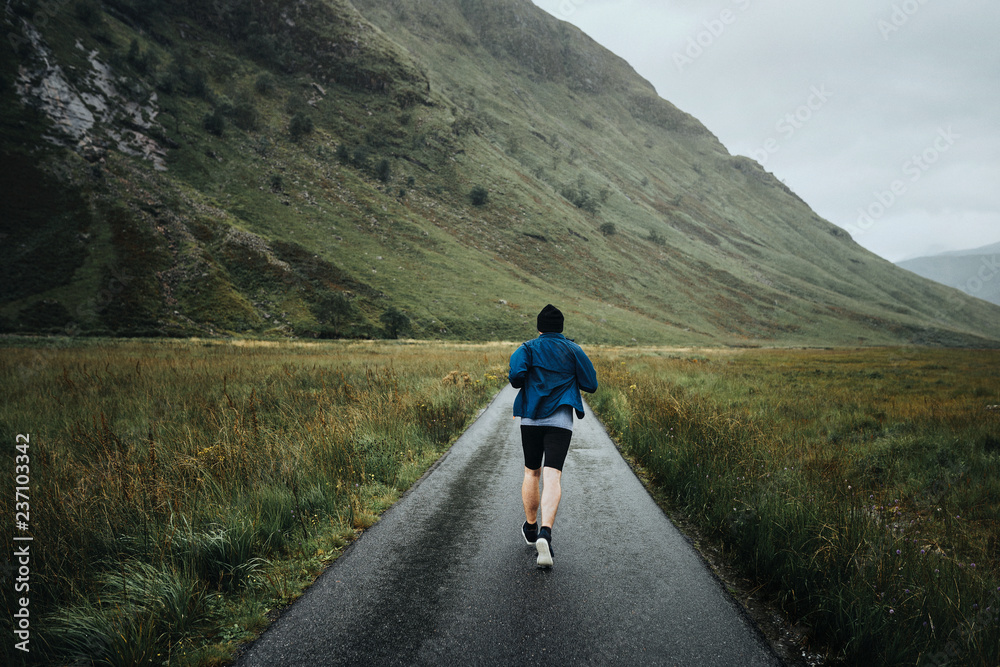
x=860, y=489
x=180, y=490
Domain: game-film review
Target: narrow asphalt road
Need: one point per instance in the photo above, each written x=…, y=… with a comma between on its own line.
x=445, y=578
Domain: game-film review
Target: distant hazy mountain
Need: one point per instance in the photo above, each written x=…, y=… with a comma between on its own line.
x=976, y=272
x=435, y=169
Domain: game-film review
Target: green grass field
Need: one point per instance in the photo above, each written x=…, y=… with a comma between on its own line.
x=180, y=491
x=859, y=489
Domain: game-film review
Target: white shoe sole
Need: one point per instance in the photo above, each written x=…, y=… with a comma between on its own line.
x=544, y=554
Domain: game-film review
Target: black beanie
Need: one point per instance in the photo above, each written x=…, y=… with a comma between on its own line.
x=550, y=320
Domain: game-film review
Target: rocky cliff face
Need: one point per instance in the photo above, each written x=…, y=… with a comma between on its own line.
x=92, y=114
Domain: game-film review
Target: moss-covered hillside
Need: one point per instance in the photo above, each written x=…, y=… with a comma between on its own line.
x=387, y=168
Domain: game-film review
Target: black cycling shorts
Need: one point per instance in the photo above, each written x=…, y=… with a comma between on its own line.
x=548, y=440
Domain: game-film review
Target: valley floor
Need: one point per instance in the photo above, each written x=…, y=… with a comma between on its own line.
x=853, y=490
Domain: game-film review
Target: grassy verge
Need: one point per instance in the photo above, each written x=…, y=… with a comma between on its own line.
x=860, y=489
x=181, y=491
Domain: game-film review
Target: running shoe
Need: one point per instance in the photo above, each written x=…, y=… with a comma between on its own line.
x=544, y=546
x=529, y=532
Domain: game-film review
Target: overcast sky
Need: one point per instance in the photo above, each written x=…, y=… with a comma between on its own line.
x=883, y=115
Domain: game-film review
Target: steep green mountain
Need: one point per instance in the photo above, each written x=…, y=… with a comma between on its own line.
x=976, y=272
x=439, y=168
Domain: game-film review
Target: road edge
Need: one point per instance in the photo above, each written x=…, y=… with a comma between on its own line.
x=276, y=613
x=771, y=626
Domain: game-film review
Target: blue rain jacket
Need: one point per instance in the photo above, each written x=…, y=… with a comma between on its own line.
x=550, y=371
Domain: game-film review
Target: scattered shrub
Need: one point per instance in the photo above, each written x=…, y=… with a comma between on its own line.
x=300, y=125
x=166, y=82
x=141, y=61
x=479, y=196
x=383, y=171
x=245, y=115
x=581, y=197
x=343, y=154
x=360, y=156
x=214, y=122
x=395, y=322
x=195, y=81
x=336, y=310
x=265, y=84
x=262, y=146
x=295, y=103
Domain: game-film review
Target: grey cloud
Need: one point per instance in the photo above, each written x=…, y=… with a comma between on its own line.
x=900, y=72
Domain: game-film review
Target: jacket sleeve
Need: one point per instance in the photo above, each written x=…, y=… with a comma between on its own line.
x=519, y=362
x=586, y=376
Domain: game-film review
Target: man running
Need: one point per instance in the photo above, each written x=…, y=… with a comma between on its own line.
x=550, y=371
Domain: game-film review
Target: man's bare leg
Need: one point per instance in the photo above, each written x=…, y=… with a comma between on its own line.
x=530, y=495
x=551, y=495
x=548, y=498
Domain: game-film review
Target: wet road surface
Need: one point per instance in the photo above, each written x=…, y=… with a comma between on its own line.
x=445, y=578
